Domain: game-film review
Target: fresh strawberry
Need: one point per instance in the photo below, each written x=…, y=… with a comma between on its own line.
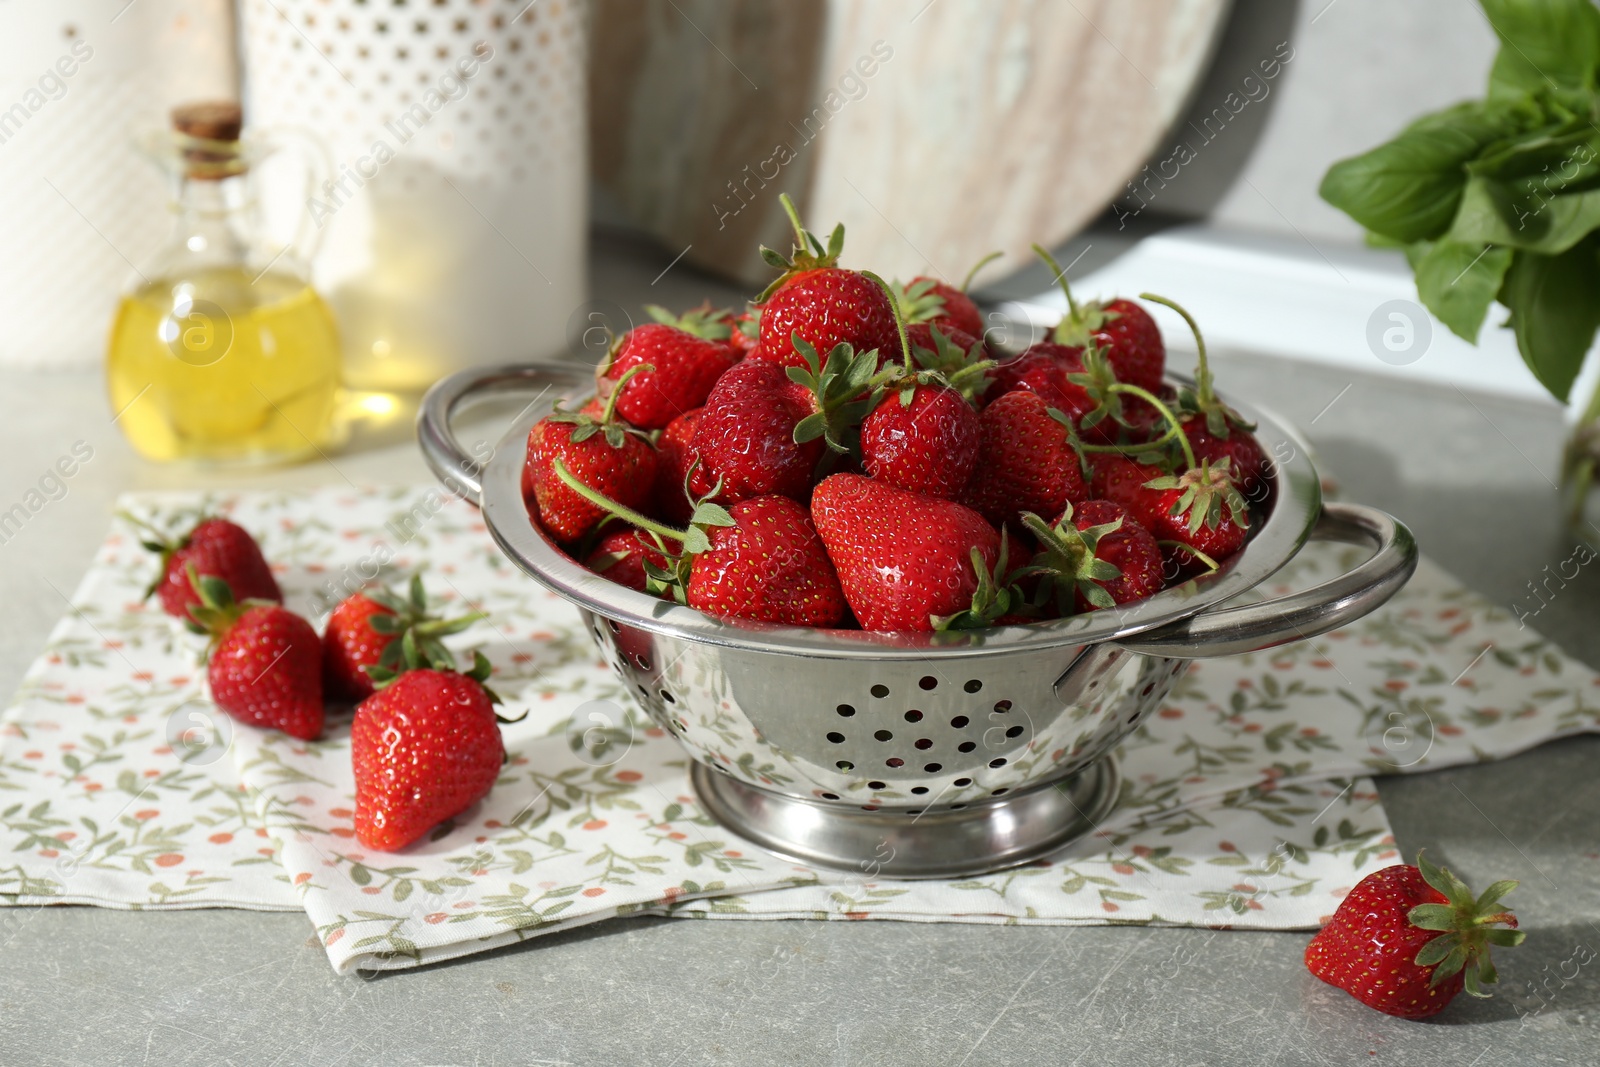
x=769, y=565
x=216, y=548
x=763, y=430
x=905, y=561
x=1407, y=939
x=424, y=748
x=603, y=453
x=621, y=556
x=1198, y=508
x=1123, y=330
x=745, y=331
x=821, y=303
x=1215, y=431
x=1026, y=462
x=1095, y=556
x=686, y=356
x=364, y=633
x=265, y=662
x=937, y=303
x=922, y=438
x=759, y=559
x=677, y=459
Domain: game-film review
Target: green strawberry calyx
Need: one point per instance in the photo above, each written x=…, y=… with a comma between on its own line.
x=1203, y=399
x=411, y=621
x=1079, y=325
x=917, y=302
x=1070, y=562
x=809, y=253
x=846, y=386
x=996, y=594
x=162, y=544
x=705, y=322
x=615, y=430
x=1467, y=927
x=1206, y=491
x=217, y=610
x=948, y=364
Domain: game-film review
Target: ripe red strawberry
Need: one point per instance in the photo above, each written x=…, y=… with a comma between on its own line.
x=424, y=748
x=1199, y=507
x=1215, y=431
x=1095, y=556
x=822, y=303
x=351, y=642
x=686, y=356
x=365, y=631
x=905, y=561
x=603, y=453
x=621, y=556
x=1123, y=330
x=922, y=438
x=769, y=566
x=265, y=662
x=217, y=548
x=759, y=559
x=1025, y=462
x=1407, y=939
x=763, y=430
x=677, y=457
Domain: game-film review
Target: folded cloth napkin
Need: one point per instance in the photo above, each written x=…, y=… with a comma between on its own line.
x=1247, y=799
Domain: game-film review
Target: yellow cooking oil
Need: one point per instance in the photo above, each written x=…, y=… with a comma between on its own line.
x=225, y=367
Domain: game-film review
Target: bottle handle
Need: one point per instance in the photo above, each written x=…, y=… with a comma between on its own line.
x=317, y=168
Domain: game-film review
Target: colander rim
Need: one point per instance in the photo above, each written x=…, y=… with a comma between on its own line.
x=1296, y=504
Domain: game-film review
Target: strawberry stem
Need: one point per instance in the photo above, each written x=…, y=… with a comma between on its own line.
x=610, y=410
x=899, y=320
x=1166, y=413
x=1061, y=279
x=1206, y=391
x=621, y=511
x=794, y=220
x=966, y=283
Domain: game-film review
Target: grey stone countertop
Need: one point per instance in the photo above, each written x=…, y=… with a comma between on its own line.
x=1470, y=473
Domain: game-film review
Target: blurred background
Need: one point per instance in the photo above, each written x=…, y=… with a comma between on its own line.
x=1150, y=141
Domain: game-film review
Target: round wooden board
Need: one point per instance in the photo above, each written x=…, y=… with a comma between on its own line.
x=935, y=131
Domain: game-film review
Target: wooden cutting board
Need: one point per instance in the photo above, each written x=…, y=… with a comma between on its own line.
x=935, y=131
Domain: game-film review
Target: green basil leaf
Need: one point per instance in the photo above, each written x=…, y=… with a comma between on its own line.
x=1558, y=39
x=1555, y=310
x=1409, y=188
x=1458, y=282
x=1558, y=156
x=1495, y=213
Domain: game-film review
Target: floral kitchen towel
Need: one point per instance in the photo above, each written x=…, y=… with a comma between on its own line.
x=1246, y=799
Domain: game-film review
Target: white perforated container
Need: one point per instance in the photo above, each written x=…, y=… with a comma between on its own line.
x=453, y=232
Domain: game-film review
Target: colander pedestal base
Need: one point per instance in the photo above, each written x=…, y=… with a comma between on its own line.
x=977, y=838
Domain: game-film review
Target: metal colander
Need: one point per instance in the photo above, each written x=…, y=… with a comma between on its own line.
x=916, y=755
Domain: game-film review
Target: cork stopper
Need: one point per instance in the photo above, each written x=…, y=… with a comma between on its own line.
x=208, y=135
x=210, y=120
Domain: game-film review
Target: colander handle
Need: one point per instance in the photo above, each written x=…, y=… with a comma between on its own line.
x=456, y=467
x=1334, y=603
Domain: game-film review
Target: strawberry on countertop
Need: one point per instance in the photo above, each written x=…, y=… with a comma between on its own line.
x=264, y=665
x=1407, y=939
x=365, y=632
x=215, y=547
x=424, y=748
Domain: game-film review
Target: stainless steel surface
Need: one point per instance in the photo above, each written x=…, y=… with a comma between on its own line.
x=85, y=987
x=1335, y=603
x=938, y=842
x=835, y=724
